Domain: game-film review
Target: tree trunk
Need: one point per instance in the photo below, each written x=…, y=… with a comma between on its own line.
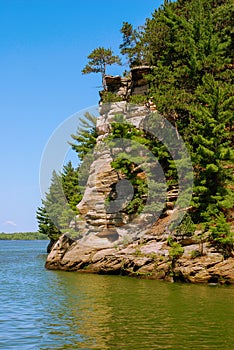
x=104, y=81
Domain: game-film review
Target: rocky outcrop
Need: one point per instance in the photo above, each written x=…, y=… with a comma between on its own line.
x=134, y=84
x=148, y=257
x=139, y=83
x=118, y=85
x=102, y=224
x=109, y=241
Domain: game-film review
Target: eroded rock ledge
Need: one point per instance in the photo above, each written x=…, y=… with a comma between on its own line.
x=148, y=257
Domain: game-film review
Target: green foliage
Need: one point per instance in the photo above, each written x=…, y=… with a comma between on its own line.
x=46, y=225
x=132, y=45
x=176, y=250
x=210, y=144
x=186, y=227
x=138, y=99
x=59, y=205
x=83, y=145
x=195, y=254
x=221, y=236
x=127, y=164
x=108, y=96
x=56, y=204
x=85, y=137
x=99, y=59
x=189, y=44
x=140, y=167
x=59, y=208
x=70, y=185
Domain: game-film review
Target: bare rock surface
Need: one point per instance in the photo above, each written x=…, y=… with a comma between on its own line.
x=150, y=259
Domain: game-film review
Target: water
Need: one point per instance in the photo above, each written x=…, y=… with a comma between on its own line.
x=42, y=309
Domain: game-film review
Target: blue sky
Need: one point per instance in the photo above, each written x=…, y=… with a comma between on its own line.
x=43, y=48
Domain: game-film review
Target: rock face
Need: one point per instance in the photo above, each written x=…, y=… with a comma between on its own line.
x=148, y=257
x=106, y=246
x=135, y=84
x=92, y=207
x=101, y=224
x=139, y=83
x=119, y=85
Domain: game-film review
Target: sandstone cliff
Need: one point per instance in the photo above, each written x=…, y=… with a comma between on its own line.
x=110, y=241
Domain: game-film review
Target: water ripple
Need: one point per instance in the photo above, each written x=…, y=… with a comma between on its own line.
x=44, y=310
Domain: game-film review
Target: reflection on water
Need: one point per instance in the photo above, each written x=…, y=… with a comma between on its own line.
x=108, y=312
x=57, y=310
x=79, y=313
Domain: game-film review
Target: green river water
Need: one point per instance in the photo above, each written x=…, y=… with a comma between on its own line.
x=42, y=309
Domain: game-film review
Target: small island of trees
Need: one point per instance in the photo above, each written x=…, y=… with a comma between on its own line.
x=22, y=236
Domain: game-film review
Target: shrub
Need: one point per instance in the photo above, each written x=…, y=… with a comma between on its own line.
x=195, y=254
x=175, y=251
x=138, y=99
x=108, y=96
x=186, y=227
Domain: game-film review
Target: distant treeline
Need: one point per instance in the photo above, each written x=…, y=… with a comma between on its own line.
x=23, y=236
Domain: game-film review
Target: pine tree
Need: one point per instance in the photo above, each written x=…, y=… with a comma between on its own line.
x=189, y=45
x=70, y=184
x=138, y=166
x=59, y=206
x=131, y=45
x=99, y=59
x=55, y=201
x=221, y=235
x=85, y=137
x=211, y=147
x=46, y=225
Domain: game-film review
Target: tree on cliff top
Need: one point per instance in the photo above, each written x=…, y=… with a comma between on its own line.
x=99, y=59
x=132, y=45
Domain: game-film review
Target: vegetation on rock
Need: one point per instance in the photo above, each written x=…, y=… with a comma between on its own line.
x=189, y=45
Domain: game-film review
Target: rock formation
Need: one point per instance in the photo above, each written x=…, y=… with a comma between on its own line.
x=134, y=84
x=101, y=225
x=148, y=257
x=105, y=245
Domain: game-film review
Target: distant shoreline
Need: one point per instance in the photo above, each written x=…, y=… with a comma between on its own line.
x=22, y=236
